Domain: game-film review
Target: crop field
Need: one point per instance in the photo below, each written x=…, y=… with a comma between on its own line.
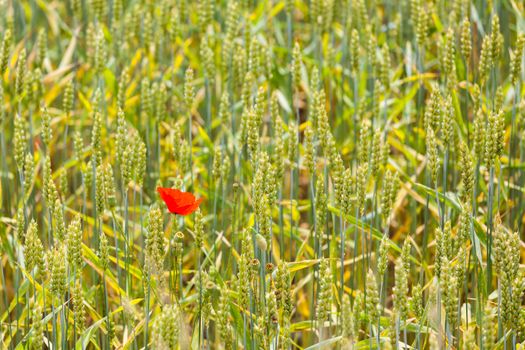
x=273, y=174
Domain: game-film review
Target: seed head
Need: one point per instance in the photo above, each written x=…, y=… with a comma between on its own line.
x=494, y=143
x=21, y=72
x=467, y=172
x=29, y=173
x=388, y=193
x=432, y=155
x=372, y=297
x=320, y=208
x=479, y=135
x=154, y=245
x=166, y=328
x=224, y=110
x=354, y=51
x=295, y=67
x=41, y=48
x=49, y=190
x=496, y=40
x=20, y=141
x=485, y=59
x=122, y=85
x=448, y=52
x=79, y=312
x=103, y=252
x=448, y=122
x=324, y=305
x=189, y=91
x=58, y=221
x=385, y=67
x=382, y=262
x=362, y=172
x=74, y=244
x=208, y=58
x=293, y=141
x=416, y=303
x=466, y=39
x=4, y=51
x=401, y=290
x=199, y=229
x=47, y=133
x=58, y=271
x=516, y=61
x=33, y=248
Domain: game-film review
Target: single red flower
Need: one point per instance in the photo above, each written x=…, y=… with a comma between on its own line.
x=178, y=202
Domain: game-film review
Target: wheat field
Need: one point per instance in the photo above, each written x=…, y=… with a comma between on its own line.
x=274, y=174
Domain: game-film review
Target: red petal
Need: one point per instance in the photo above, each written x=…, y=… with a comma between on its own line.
x=189, y=208
x=170, y=197
x=178, y=202
x=186, y=198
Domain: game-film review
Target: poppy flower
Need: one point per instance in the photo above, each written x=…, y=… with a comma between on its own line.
x=179, y=202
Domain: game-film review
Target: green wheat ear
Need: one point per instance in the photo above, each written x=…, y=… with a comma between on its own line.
x=321, y=204
x=47, y=133
x=58, y=271
x=5, y=51
x=20, y=224
x=382, y=259
x=208, y=59
x=295, y=66
x=467, y=172
x=448, y=121
x=74, y=244
x=154, y=244
x=224, y=110
x=463, y=233
x=79, y=311
x=20, y=140
x=223, y=320
x=189, y=90
x=421, y=19
x=506, y=262
x=485, y=58
x=167, y=327
x=495, y=141
x=372, y=297
x=59, y=225
x=416, y=302
x=354, y=51
x=324, y=304
x=346, y=193
x=103, y=252
x=496, y=40
x=49, y=189
x=29, y=173
x=515, y=64
x=33, y=248
x=252, y=135
x=37, y=341
x=448, y=52
x=466, y=40
x=449, y=287
x=362, y=172
x=385, y=67
x=21, y=73
x=388, y=193
x=400, y=289
x=432, y=155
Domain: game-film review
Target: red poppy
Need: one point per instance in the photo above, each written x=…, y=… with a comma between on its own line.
x=178, y=202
